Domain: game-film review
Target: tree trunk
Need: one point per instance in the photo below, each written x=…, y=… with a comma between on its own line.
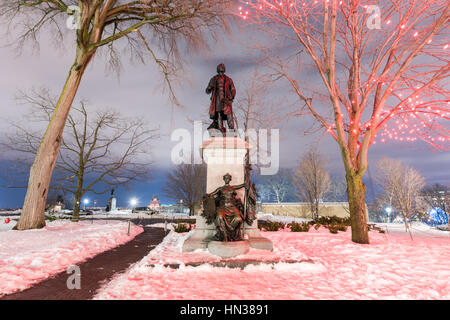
x=78, y=196
x=313, y=216
x=407, y=228
x=76, y=207
x=316, y=209
x=78, y=192
x=33, y=212
x=356, y=200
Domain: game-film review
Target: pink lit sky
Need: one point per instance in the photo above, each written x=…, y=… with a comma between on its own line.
x=137, y=93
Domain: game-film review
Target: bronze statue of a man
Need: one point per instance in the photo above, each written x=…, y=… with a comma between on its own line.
x=223, y=93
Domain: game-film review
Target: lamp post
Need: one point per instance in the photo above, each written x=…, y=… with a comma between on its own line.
x=133, y=203
x=85, y=202
x=388, y=211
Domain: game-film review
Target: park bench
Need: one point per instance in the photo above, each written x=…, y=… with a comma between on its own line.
x=373, y=226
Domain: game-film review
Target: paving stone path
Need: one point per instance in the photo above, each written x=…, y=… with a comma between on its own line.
x=94, y=272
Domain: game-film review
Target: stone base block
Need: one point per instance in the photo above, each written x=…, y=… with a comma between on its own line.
x=190, y=245
x=228, y=249
x=203, y=233
x=255, y=238
x=261, y=243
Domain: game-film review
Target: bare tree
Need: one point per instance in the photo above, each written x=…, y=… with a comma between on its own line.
x=337, y=191
x=361, y=70
x=98, y=149
x=312, y=180
x=253, y=108
x=404, y=184
x=377, y=209
x=264, y=192
x=99, y=24
x=188, y=183
x=278, y=186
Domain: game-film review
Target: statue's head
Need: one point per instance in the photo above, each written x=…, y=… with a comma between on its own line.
x=227, y=178
x=221, y=69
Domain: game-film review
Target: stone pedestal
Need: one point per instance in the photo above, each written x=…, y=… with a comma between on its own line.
x=202, y=235
x=228, y=249
x=255, y=239
x=224, y=155
x=113, y=204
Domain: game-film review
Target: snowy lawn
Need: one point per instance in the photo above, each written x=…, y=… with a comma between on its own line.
x=28, y=257
x=7, y=223
x=391, y=267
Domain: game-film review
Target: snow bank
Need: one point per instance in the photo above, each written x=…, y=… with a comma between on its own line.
x=391, y=267
x=418, y=229
x=120, y=212
x=7, y=223
x=285, y=219
x=28, y=257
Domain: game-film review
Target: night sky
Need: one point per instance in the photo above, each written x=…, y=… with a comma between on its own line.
x=137, y=92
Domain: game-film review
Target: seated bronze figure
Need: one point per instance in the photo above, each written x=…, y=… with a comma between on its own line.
x=223, y=207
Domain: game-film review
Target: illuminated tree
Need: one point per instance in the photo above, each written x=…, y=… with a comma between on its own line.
x=99, y=24
x=437, y=198
x=367, y=71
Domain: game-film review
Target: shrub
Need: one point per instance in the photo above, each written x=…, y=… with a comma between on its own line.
x=261, y=224
x=182, y=227
x=333, y=228
x=273, y=226
x=332, y=221
x=334, y=224
x=299, y=227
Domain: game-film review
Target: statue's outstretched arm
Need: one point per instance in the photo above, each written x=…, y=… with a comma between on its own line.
x=239, y=186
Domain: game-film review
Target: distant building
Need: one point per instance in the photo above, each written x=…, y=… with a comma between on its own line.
x=155, y=204
x=303, y=209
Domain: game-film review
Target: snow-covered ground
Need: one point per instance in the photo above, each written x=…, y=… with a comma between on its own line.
x=417, y=229
x=7, y=223
x=392, y=267
x=28, y=257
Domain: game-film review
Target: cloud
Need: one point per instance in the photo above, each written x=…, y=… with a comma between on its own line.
x=138, y=93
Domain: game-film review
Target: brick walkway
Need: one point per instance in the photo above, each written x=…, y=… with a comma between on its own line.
x=95, y=271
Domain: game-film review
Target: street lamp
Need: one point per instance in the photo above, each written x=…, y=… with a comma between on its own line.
x=388, y=211
x=85, y=201
x=133, y=202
